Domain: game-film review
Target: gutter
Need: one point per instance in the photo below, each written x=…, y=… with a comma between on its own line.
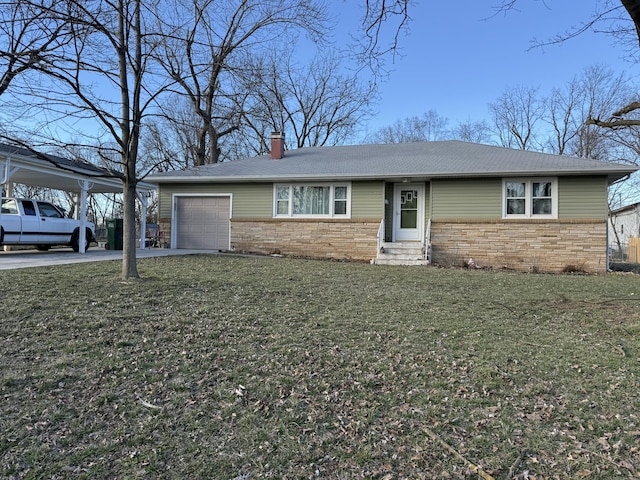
x=416, y=176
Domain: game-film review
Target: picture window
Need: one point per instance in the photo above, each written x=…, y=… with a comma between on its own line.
x=312, y=200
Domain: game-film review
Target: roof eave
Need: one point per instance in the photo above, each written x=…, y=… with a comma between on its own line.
x=612, y=176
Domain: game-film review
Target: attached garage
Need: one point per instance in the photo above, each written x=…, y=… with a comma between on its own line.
x=202, y=222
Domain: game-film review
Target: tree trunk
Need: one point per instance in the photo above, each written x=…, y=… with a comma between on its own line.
x=633, y=7
x=129, y=240
x=130, y=135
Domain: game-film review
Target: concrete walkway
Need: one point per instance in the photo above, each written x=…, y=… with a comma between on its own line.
x=63, y=256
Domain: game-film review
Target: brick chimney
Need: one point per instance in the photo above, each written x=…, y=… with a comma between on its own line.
x=277, y=145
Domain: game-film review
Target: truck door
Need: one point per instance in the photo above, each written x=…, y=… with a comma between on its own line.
x=30, y=223
x=11, y=221
x=54, y=227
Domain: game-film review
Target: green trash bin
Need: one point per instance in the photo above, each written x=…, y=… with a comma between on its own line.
x=114, y=234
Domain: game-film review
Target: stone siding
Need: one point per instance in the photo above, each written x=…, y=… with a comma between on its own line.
x=322, y=238
x=165, y=228
x=527, y=245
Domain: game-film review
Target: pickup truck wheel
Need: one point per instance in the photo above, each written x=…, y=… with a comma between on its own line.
x=43, y=248
x=75, y=240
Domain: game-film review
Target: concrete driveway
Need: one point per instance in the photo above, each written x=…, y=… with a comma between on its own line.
x=63, y=256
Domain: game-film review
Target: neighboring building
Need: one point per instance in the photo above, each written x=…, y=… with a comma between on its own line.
x=624, y=222
x=446, y=201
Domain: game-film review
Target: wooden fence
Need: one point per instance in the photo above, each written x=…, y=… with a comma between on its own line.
x=634, y=250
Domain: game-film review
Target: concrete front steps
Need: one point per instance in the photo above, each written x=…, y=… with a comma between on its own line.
x=404, y=253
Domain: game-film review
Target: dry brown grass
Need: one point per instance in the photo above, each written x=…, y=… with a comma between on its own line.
x=245, y=368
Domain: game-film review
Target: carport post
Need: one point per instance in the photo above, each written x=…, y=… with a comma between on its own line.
x=5, y=183
x=6, y=176
x=82, y=238
x=142, y=198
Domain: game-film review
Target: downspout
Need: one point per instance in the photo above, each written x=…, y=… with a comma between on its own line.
x=608, y=261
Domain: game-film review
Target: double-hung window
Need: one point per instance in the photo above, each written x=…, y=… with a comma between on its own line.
x=530, y=198
x=312, y=200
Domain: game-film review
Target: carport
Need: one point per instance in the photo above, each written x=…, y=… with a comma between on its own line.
x=23, y=166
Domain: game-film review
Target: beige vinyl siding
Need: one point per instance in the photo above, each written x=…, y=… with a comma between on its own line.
x=582, y=197
x=367, y=200
x=466, y=198
x=250, y=200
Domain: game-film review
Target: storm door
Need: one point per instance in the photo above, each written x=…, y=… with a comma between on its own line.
x=408, y=212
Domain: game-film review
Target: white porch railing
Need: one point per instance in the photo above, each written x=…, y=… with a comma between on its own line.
x=427, y=242
x=380, y=236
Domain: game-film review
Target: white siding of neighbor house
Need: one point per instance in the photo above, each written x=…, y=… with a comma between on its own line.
x=623, y=225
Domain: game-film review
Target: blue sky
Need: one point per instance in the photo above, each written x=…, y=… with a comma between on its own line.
x=457, y=58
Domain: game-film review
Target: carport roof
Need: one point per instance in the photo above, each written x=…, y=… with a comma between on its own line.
x=42, y=170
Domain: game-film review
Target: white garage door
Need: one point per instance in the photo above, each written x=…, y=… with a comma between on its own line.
x=202, y=222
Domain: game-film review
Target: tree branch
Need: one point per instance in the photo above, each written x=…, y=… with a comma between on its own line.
x=627, y=109
x=614, y=124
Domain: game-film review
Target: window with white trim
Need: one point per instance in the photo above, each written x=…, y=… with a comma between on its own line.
x=530, y=198
x=312, y=200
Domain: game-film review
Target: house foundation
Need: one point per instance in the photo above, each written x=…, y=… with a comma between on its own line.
x=522, y=245
x=332, y=238
x=526, y=245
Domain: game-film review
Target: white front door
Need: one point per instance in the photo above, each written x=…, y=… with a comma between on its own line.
x=408, y=223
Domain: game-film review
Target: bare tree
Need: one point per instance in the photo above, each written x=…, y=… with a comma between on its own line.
x=620, y=19
x=429, y=126
x=208, y=54
x=171, y=143
x=30, y=37
x=600, y=91
x=617, y=18
x=470, y=131
x=563, y=110
x=382, y=24
x=99, y=88
x=515, y=116
x=314, y=104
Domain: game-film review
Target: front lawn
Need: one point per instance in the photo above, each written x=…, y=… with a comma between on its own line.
x=223, y=367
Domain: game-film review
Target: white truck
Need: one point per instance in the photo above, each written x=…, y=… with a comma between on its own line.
x=34, y=222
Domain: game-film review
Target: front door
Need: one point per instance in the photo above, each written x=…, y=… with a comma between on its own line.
x=408, y=212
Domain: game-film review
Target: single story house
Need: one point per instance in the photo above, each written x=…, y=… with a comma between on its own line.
x=444, y=202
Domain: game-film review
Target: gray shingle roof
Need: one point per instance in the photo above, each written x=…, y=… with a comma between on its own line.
x=78, y=166
x=51, y=171
x=420, y=160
